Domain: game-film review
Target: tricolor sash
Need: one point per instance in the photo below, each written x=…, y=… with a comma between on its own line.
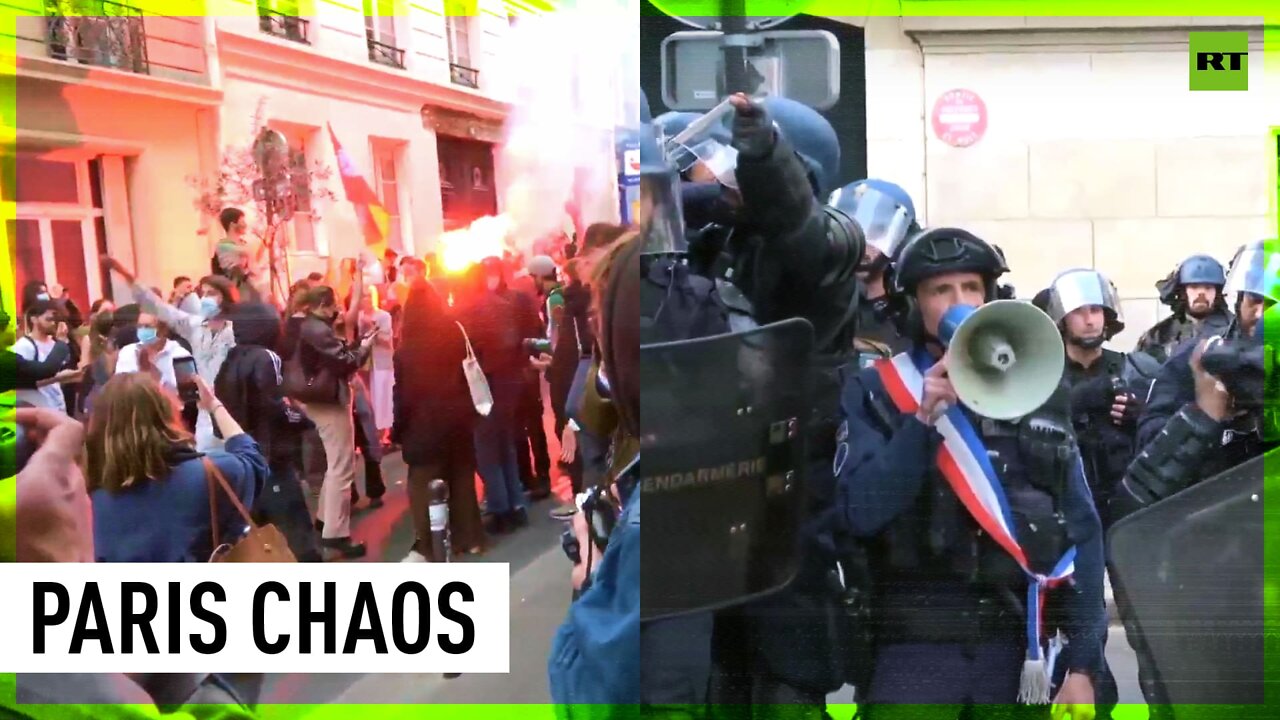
x=963, y=462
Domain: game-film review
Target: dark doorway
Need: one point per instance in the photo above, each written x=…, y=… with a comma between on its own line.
x=466, y=181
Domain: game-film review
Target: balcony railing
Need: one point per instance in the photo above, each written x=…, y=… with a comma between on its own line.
x=97, y=32
x=463, y=75
x=385, y=54
x=284, y=26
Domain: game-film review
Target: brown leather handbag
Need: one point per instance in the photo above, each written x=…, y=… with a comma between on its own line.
x=263, y=543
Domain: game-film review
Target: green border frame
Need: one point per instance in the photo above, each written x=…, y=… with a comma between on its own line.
x=1269, y=10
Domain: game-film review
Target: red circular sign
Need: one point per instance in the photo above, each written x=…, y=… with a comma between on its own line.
x=959, y=118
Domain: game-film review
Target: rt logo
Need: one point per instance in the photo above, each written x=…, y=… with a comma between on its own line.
x=1219, y=60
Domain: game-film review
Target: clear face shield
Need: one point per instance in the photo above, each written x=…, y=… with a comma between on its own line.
x=1256, y=270
x=661, y=214
x=703, y=150
x=884, y=222
x=1075, y=289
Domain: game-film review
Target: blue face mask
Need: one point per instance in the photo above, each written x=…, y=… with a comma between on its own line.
x=209, y=307
x=43, y=297
x=146, y=334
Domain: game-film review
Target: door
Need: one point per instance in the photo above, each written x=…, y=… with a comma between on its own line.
x=57, y=229
x=466, y=180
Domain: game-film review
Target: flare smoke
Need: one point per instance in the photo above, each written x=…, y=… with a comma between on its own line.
x=574, y=78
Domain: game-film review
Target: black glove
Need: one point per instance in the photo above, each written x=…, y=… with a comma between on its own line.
x=1132, y=411
x=1094, y=395
x=753, y=132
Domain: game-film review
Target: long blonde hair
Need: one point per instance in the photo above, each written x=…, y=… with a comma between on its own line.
x=135, y=427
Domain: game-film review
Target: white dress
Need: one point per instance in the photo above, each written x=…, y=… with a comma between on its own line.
x=382, y=378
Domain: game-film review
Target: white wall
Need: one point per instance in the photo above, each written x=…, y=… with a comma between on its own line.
x=1096, y=153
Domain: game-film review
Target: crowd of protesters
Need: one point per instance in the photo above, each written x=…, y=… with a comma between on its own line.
x=286, y=397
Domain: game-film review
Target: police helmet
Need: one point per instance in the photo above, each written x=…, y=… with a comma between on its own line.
x=939, y=251
x=1081, y=287
x=1256, y=270
x=882, y=209
x=1201, y=270
x=812, y=137
x=661, y=216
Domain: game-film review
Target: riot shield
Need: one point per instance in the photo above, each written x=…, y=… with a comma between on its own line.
x=1188, y=573
x=722, y=442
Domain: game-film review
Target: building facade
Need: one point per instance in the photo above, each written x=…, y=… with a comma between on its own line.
x=1087, y=147
x=119, y=109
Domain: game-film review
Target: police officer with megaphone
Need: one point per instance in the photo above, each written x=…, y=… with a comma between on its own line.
x=957, y=460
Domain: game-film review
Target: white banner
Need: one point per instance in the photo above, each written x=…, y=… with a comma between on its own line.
x=255, y=618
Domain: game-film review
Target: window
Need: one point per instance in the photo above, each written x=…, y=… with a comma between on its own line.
x=380, y=28
x=458, y=31
x=281, y=18
x=385, y=158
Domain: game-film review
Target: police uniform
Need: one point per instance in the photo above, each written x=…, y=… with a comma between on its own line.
x=791, y=257
x=950, y=605
x=1180, y=445
x=1166, y=336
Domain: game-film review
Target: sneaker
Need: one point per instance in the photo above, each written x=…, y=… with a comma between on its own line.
x=565, y=512
x=414, y=557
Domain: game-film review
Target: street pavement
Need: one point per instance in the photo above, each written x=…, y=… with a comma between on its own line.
x=540, y=594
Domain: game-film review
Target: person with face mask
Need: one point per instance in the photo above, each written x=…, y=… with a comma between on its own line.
x=1194, y=291
x=208, y=332
x=153, y=353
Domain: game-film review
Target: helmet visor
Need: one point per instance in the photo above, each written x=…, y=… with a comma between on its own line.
x=884, y=222
x=661, y=214
x=1075, y=289
x=719, y=158
x=1256, y=270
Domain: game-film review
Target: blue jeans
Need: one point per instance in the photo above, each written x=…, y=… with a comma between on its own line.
x=496, y=448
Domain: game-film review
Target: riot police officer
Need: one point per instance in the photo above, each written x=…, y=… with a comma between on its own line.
x=1194, y=292
x=1108, y=388
x=1199, y=425
x=957, y=617
x=887, y=217
x=787, y=255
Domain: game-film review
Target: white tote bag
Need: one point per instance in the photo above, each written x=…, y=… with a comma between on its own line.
x=480, y=395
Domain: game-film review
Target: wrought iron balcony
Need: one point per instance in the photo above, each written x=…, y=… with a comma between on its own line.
x=385, y=54
x=463, y=75
x=284, y=26
x=97, y=32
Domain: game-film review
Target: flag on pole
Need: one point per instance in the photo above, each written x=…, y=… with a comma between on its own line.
x=375, y=223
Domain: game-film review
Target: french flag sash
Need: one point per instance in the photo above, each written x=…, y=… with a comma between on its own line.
x=962, y=460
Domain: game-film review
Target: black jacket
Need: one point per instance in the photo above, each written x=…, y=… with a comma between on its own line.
x=318, y=345
x=29, y=372
x=249, y=385
x=1105, y=447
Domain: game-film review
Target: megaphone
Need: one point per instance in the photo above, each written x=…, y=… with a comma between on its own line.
x=1006, y=357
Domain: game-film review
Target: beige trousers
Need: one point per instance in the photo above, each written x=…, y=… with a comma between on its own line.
x=337, y=432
